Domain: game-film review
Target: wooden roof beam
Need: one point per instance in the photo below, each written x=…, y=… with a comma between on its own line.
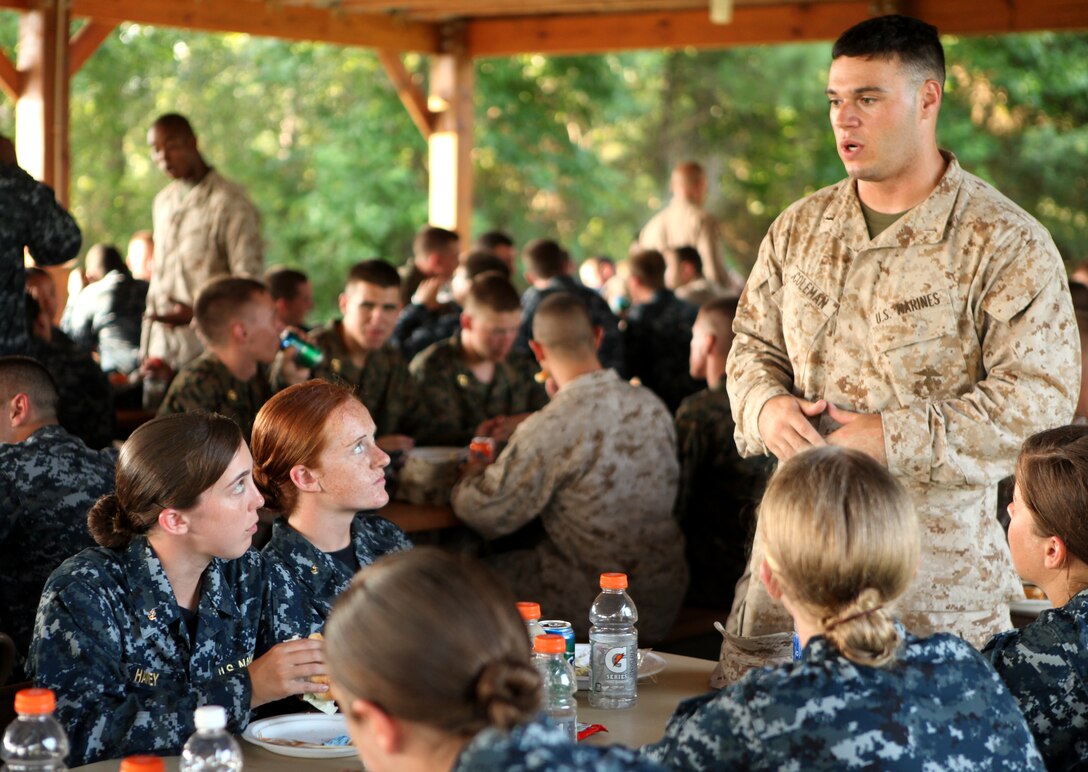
x=256, y=17
x=410, y=94
x=11, y=81
x=753, y=25
x=85, y=42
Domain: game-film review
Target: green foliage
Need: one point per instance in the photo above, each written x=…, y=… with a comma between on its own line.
x=576, y=148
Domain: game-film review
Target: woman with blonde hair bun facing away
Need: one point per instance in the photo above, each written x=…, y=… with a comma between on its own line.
x=428, y=662
x=1044, y=664
x=172, y=610
x=317, y=464
x=842, y=543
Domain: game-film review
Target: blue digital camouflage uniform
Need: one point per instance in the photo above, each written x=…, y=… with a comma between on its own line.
x=32, y=219
x=1045, y=666
x=610, y=352
x=206, y=384
x=106, y=317
x=717, y=499
x=455, y=400
x=382, y=383
x=313, y=579
x=110, y=642
x=47, y=483
x=86, y=399
x=657, y=342
x=541, y=746
x=939, y=706
x=419, y=327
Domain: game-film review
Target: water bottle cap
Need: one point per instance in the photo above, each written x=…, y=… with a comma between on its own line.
x=35, y=702
x=529, y=610
x=613, y=581
x=142, y=764
x=210, y=717
x=550, y=644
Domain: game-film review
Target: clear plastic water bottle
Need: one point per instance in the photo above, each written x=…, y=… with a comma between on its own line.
x=530, y=612
x=34, y=741
x=211, y=748
x=550, y=658
x=613, y=646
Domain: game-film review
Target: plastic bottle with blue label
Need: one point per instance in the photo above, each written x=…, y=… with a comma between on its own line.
x=34, y=741
x=549, y=658
x=613, y=644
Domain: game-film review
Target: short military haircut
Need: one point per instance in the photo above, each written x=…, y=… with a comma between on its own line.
x=691, y=172
x=23, y=375
x=648, y=266
x=488, y=241
x=175, y=123
x=283, y=283
x=719, y=314
x=492, y=292
x=562, y=323
x=222, y=301
x=103, y=258
x=689, y=255
x=374, y=271
x=433, y=239
x=545, y=259
x=478, y=262
x=916, y=44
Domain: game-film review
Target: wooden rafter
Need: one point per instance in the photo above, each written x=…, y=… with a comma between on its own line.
x=86, y=41
x=410, y=95
x=11, y=83
x=256, y=17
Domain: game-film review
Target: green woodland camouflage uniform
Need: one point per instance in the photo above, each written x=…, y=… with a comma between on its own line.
x=31, y=218
x=201, y=231
x=49, y=481
x=86, y=398
x=206, y=384
x=657, y=342
x=110, y=641
x=382, y=383
x=1044, y=666
x=598, y=467
x=938, y=706
x=313, y=579
x=718, y=496
x=541, y=747
x=456, y=402
x=955, y=324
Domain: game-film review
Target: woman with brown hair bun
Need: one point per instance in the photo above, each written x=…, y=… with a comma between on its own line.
x=316, y=462
x=428, y=662
x=1044, y=663
x=841, y=543
x=172, y=610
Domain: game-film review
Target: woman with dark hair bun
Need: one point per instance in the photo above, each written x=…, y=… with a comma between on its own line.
x=172, y=610
x=1046, y=663
x=317, y=464
x=429, y=665
x=841, y=544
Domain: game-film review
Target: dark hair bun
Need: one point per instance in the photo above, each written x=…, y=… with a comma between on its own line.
x=109, y=524
x=508, y=693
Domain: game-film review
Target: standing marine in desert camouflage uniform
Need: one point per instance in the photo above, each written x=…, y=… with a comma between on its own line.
x=935, y=339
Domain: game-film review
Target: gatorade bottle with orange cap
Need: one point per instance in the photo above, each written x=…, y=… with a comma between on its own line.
x=530, y=613
x=35, y=742
x=613, y=646
x=550, y=659
x=142, y=764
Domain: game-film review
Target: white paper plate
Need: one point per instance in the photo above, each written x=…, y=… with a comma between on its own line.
x=306, y=733
x=650, y=664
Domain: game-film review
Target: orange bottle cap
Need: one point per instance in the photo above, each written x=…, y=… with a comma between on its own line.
x=613, y=581
x=35, y=702
x=142, y=764
x=550, y=644
x=529, y=610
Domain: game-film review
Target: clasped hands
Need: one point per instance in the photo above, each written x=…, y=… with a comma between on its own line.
x=786, y=428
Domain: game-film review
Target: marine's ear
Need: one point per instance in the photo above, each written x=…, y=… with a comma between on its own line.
x=173, y=522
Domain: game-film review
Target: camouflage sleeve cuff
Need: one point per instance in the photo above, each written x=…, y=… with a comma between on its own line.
x=908, y=442
x=749, y=442
x=235, y=694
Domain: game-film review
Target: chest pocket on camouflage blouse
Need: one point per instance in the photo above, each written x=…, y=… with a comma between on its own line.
x=915, y=337
x=807, y=308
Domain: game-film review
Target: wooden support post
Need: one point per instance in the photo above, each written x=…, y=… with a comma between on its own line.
x=41, y=112
x=451, y=99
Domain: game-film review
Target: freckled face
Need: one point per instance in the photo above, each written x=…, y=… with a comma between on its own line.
x=351, y=468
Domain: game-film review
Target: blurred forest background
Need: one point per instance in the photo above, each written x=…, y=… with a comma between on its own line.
x=575, y=148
